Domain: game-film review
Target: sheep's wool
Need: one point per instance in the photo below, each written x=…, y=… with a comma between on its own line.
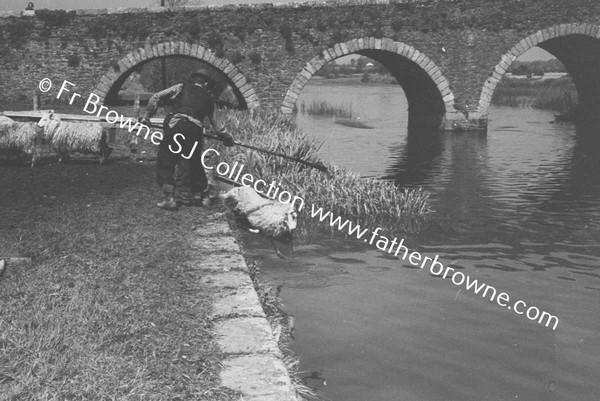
x=74, y=137
x=17, y=135
x=272, y=218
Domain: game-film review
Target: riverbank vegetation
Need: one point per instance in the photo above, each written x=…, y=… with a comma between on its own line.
x=551, y=94
x=324, y=108
x=536, y=68
x=523, y=87
x=341, y=191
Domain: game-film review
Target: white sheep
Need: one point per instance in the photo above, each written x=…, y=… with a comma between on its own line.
x=70, y=137
x=19, y=139
x=272, y=218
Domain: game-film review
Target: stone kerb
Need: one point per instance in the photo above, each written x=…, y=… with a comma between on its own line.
x=196, y=51
x=253, y=363
x=368, y=43
x=521, y=47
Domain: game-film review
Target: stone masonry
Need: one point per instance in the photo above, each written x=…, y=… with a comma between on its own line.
x=253, y=362
x=448, y=55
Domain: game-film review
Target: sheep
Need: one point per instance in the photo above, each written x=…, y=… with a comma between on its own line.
x=19, y=139
x=6, y=120
x=69, y=137
x=272, y=218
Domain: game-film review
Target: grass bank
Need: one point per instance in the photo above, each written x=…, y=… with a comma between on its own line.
x=550, y=94
x=108, y=308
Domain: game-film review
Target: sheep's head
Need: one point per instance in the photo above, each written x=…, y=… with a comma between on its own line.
x=46, y=118
x=230, y=197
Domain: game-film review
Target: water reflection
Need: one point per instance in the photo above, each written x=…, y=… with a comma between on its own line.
x=416, y=159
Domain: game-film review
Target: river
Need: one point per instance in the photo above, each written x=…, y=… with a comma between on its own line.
x=517, y=208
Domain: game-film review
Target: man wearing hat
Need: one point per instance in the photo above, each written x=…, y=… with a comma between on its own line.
x=178, y=173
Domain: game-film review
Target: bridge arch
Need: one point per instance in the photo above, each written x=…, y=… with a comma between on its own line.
x=110, y=83
x=430, y=98
x=576, y=45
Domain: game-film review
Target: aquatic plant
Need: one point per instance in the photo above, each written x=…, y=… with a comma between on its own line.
x=324, y=108
x=549, y=94
x=341, y=191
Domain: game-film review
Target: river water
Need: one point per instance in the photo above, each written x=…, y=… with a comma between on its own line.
x=517, y=208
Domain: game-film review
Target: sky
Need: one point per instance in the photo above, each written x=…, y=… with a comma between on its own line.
x=14, y=5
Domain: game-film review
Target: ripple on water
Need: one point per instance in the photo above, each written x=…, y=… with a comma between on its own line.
x=378, y=268
x=520, y=202
x=345, y=260
x=308, y=281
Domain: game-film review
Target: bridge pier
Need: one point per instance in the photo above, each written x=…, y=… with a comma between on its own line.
x=458, y=122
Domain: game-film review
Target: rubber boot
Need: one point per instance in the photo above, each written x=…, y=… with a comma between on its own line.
x=198, y=199
x=208, y=195
x=184, y=197
x=169, y=203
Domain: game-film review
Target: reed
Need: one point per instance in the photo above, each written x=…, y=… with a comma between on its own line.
x=324, y=108
x=551, y=94
x=342, y=192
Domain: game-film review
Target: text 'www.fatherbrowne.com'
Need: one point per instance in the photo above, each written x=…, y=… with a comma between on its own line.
x=436, y=268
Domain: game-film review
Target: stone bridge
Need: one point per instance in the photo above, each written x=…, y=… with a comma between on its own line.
x=447, y=55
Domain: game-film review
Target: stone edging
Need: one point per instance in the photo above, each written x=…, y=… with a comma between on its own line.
x=253, y=364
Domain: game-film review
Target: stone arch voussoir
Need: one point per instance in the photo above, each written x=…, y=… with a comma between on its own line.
x=521, y=47
x=193, y=50
x=369, y=43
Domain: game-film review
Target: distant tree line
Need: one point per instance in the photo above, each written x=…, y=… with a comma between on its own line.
x=538, y=67
x=359, y=65
x=366, y=65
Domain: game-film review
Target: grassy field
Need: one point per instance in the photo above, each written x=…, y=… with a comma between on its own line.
x=551, y=94
x=108, y=308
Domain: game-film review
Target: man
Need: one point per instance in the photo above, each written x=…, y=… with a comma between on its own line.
x=178, y=170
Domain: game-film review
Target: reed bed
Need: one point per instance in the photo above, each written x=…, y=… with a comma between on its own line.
x=341, y=191
x=551, y=94
x=324, y=108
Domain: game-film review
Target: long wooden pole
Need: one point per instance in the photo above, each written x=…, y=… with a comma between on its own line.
x=318, y=166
